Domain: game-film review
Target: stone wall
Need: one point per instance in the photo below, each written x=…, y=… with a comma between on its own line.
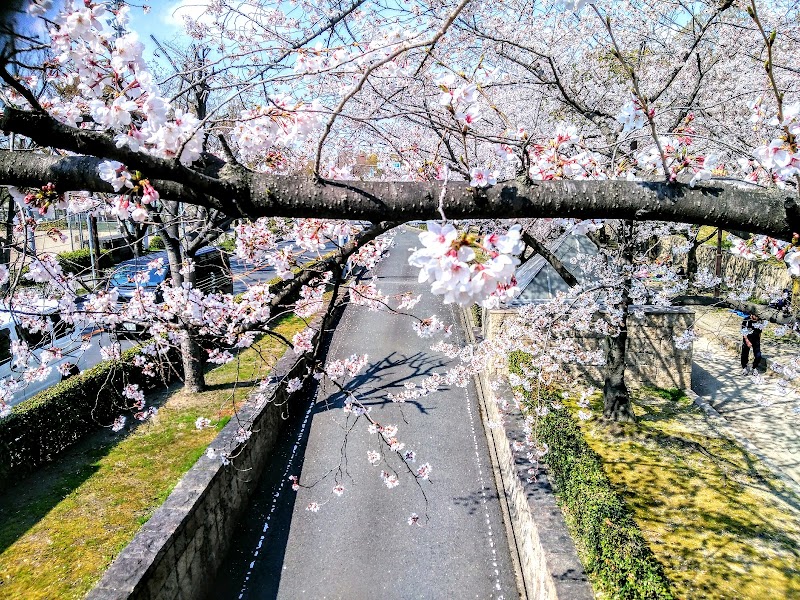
x=651, y=356
x=768, y=277
x=176, y=554
x=549, y=565
x=551, y=569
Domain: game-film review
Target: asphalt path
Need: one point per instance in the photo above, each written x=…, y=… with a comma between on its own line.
x=360, y=545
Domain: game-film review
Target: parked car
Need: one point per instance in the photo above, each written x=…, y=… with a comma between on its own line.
x=212, y=274
x=57, y=334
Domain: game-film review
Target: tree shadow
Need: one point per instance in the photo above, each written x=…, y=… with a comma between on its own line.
x=383, y=378
x=30, y=497
x=475, y=500
x=713, y=508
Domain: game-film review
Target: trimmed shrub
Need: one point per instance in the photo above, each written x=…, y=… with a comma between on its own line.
x=59, y=224
x=614, y=552
x=227, y=243
x=40, y=428
x=80, y=261
x=477, y=315
x=156, y=243
x=612, y=548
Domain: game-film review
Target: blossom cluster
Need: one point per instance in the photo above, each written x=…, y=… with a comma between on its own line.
x=450, y=260
x=283, y=123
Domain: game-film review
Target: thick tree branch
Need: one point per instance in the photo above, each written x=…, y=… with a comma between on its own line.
x=765, y=313
x=262, y=195
x=286, y=290
x=48, y=132
x=75, y=173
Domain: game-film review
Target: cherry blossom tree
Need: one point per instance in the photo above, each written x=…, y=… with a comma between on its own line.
x=634, y=119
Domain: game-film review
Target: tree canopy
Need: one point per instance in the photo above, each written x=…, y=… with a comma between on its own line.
x=327, y=115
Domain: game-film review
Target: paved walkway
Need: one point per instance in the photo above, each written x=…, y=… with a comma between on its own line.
x=761, y=409
x=360, y=545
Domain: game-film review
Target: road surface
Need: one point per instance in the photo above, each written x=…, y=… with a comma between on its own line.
x=360, y=545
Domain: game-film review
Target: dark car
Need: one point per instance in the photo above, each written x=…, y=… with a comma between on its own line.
x=212, y=274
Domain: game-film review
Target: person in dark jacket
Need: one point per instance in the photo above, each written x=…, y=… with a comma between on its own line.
x=751, y=340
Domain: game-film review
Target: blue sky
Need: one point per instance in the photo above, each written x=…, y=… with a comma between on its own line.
x=162, y=21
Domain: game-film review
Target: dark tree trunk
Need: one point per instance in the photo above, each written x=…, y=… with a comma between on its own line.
x=691, y=262
x=192, y=354
x=691, y=256
x=616, y=398
x=95, y=242
x=175, y=259
x=9, y=230
x=192, y=359
x=267, y=195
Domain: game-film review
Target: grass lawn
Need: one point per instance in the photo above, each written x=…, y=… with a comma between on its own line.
x=61, y=527
x=719, y=522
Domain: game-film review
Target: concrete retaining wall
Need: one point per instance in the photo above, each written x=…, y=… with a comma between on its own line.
x=549, y=564
x=177, y=552
x=768, y=276
x=651, y=356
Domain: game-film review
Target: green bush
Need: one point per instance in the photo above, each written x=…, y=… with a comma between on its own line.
x=156, y=243
x=40, y=428
x=614, y=552
x=59, y=224
x=477, y=315
x=611, y=545
x=80, y=261
x=226, y=243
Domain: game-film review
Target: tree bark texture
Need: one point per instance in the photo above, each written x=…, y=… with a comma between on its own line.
x=239, y=192
x=551, y=258
x=192, y=353
x=616, y=397
x=192, y=360
x=691, y=262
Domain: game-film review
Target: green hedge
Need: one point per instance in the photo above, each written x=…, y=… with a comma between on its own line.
x=614, y=552
x=477, y=315
x=226, y=243
x=59, y=224
x=612, y=548
x=80, y=261
x=40, y=428
x=156, y=243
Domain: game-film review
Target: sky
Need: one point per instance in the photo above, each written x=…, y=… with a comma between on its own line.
x=163, y=21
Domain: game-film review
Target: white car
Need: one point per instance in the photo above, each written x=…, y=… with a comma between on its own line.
x=78, y=348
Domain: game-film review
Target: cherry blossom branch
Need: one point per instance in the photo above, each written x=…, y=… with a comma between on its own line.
x=262, y=195
x=357, y=88
x=645, y=106
x=669, y=79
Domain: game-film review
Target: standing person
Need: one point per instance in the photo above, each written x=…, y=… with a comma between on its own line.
x=751, y=338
